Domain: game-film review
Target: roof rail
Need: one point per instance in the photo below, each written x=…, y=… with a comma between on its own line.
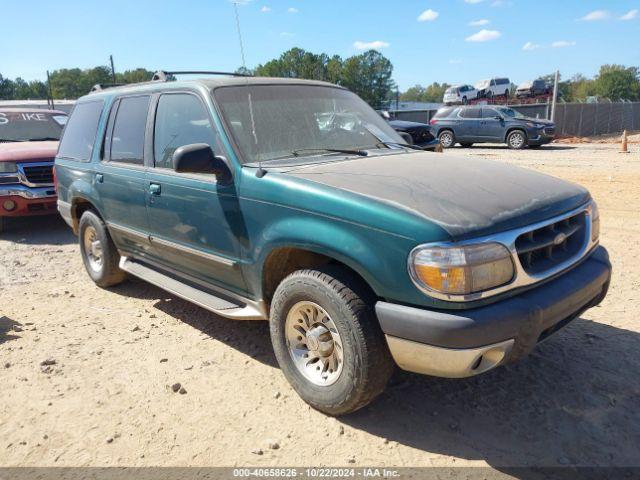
x=164, y=76
x=102, y=86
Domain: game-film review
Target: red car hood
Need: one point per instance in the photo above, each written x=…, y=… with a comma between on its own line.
x=28, y=151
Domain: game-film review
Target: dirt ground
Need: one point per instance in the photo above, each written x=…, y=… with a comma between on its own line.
x=86, y=373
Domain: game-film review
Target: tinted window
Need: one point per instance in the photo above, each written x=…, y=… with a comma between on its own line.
x=470, y=113
x=127, y=139
x=80, y=132
x=181, y=119
x=502, y=81
x=444, y=112
x=489, y=113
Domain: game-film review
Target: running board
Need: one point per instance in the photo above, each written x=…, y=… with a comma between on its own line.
x=233, y=309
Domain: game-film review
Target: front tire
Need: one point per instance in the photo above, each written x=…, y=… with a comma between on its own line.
x=327, y=340
x=447, y=138
x=99, y=254
x=516, y=140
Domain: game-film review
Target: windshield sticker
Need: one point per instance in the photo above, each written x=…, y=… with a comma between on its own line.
x=34, y=117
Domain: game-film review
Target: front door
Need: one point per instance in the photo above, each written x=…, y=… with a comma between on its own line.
x=121, y=181
x=492, y=126
x=193, y=218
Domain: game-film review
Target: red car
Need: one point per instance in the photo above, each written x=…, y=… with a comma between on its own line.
x=28, y=144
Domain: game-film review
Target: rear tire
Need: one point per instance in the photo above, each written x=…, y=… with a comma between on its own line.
x=99, y=254
x=327, y=340
x=516, y=140
x=447, y=138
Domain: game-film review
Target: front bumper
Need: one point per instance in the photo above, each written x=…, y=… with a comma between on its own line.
x=27, y=200
x=474, y=341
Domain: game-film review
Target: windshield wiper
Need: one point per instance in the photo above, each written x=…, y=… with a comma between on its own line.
x=397, y=144
x=362, y=153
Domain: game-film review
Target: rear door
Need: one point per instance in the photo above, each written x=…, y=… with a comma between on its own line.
x=194, y=218
x=469, y=124
x=121, y=181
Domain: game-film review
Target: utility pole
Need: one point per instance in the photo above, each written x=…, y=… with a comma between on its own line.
x=555, y=96
x=50, y=90
x=113, y=70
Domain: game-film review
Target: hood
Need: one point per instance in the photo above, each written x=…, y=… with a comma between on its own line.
x=28, y=151
x=541, y=121
x=465, y=196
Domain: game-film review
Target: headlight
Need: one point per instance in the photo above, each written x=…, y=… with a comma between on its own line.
x=595, y=222
x=8, y=167
x=461, y=270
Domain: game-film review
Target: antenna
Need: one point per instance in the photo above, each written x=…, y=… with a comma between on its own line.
x=260, y=173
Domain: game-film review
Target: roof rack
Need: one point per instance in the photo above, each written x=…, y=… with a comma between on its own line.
x=102, y=86
x=163, y=76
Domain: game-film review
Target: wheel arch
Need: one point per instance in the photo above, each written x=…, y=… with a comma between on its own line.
x=516, y=127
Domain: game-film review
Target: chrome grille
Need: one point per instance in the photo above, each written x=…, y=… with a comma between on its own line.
x=544, y=248
x=39, y=174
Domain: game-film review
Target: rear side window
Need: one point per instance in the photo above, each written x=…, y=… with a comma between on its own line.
x=490, y=113
x=80, y=133
x=127, y=138
x=444, y=112
x=181, y=119
x=470, y=113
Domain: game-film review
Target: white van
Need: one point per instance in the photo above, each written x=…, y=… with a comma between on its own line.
x=493, y=87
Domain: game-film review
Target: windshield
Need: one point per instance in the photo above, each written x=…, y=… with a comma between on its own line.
x=18, y=126
x=525, y=85
x=288, y=119
x=510, y=112
x=451, y=90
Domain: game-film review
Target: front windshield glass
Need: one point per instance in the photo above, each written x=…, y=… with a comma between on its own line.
x=299, y=120
x=16, y=126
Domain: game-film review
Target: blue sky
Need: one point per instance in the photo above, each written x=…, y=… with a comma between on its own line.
x=450, y=41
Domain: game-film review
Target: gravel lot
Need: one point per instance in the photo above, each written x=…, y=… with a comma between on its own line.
x=86, y=373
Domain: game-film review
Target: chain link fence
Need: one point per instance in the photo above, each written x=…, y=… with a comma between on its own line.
x=572, y=119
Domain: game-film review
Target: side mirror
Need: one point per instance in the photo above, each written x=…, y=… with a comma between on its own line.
x=198, y=158
x=408, y=139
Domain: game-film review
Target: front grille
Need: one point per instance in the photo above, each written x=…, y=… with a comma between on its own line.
x=543, y=249
x=549, y=131
x=39, y=175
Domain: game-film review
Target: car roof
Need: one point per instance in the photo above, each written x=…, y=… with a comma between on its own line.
x=209, y=83
x=31, y=110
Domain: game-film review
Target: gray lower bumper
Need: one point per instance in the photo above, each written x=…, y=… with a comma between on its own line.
x=468, y=342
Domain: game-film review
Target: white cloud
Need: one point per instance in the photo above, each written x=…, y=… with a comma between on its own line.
x=483, y=36
x=479, y=23
x=562, y=44
x=287, y=34
x=428, y=16
x=375, y=45
x=473, y=1
x=530, y=46
x=595, y=15
x=265, y=9
x=292, y=10
x=630, y=15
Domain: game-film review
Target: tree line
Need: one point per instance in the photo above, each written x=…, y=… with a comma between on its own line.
x=369, y=74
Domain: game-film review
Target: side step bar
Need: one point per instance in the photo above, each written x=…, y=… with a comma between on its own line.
x=233, y=309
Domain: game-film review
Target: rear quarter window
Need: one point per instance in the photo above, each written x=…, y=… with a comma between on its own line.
x=79, y=135
x=444, y=112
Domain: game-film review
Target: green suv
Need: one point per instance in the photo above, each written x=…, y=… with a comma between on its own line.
x=293, y=201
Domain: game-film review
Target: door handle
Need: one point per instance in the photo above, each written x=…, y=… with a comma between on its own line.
x=155, y=189
x=99, y=177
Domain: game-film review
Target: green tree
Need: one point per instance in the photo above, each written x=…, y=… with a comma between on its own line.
x=134, y=76
x=618, y=82
x=7, y=88
x=369, y=75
